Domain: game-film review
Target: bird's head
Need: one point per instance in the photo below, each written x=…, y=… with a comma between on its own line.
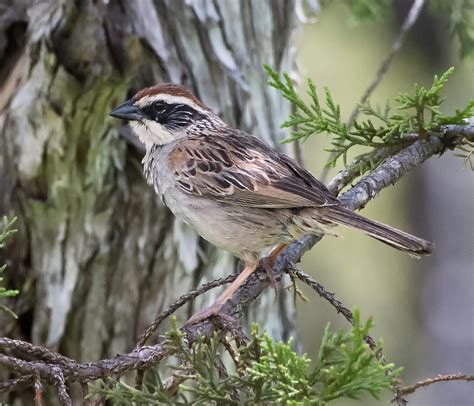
x=161, y=114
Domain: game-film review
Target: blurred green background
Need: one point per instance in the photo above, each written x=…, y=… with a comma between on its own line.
x=423, y=309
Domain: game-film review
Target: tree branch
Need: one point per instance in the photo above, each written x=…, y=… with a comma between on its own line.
x=352, y=171
x=321, y=291
x=452, y=136
x=60, y=383
x=11, y=385
x=35, y=350
x=406, y=390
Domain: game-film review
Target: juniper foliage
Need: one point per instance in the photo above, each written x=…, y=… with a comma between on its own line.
x=262, y=371
x=416, y=115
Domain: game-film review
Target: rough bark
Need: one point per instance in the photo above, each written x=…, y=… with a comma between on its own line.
x=97, y=256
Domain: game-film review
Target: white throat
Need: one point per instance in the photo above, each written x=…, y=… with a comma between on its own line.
x=150, y=133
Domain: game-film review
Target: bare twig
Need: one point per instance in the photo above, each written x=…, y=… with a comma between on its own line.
x=232, y=352
x=297, y=292
x=409, y=22
x=51, y=373
x=60, y=383
x=139, y=378
x=85, y=372
x=321, y=291
x=11, y=385
x=406, y=390
x=35, y=350
x=16, y=384
x=352, y=171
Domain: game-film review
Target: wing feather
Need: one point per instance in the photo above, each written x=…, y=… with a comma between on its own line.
x=240, y=169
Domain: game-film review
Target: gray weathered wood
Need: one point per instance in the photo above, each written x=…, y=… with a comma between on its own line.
x=97, y=256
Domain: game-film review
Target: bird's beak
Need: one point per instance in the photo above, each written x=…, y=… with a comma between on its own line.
x=127, y=111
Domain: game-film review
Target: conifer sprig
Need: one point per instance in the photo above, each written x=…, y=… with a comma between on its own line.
x=266, y=372
x=416, y=115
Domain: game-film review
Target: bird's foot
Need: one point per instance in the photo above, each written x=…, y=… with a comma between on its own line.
x=214, y=310
x=267, y=264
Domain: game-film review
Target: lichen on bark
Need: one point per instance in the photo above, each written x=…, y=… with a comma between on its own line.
x=97, y=255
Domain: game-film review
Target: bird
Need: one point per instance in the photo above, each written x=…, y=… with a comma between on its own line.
x=233, y=189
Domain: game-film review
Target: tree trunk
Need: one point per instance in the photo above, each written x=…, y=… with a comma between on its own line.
x=97, y=255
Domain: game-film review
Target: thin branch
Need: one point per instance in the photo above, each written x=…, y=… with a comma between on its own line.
x=11, y=385
x=61, y=387
x=35, y=350
x=321, y=291
x=406, y=390
x=232, y=352
x=407, y=25
x=84, y=372
x=457, y=131
x=38, y=369
x=352, y=171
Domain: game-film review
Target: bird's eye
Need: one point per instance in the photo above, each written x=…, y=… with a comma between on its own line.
x=158, y=106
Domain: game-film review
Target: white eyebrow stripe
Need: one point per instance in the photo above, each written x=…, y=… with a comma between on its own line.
x=167, y=98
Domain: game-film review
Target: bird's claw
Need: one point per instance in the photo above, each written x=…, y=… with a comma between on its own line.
x=208, y=312
x=267, y=264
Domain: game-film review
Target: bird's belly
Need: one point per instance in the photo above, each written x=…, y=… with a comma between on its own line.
x=240, y=230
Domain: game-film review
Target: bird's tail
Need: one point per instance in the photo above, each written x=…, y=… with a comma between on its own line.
x=396, y=238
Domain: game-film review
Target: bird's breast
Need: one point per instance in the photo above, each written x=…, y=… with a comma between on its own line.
x=235, y=228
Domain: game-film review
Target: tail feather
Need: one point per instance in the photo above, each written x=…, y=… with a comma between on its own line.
x=396, y=238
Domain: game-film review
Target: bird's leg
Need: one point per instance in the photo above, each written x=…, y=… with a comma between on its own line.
x=215, y=308
x=268, y=261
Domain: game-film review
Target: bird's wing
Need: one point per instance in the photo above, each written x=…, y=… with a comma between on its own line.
x=237, y=168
